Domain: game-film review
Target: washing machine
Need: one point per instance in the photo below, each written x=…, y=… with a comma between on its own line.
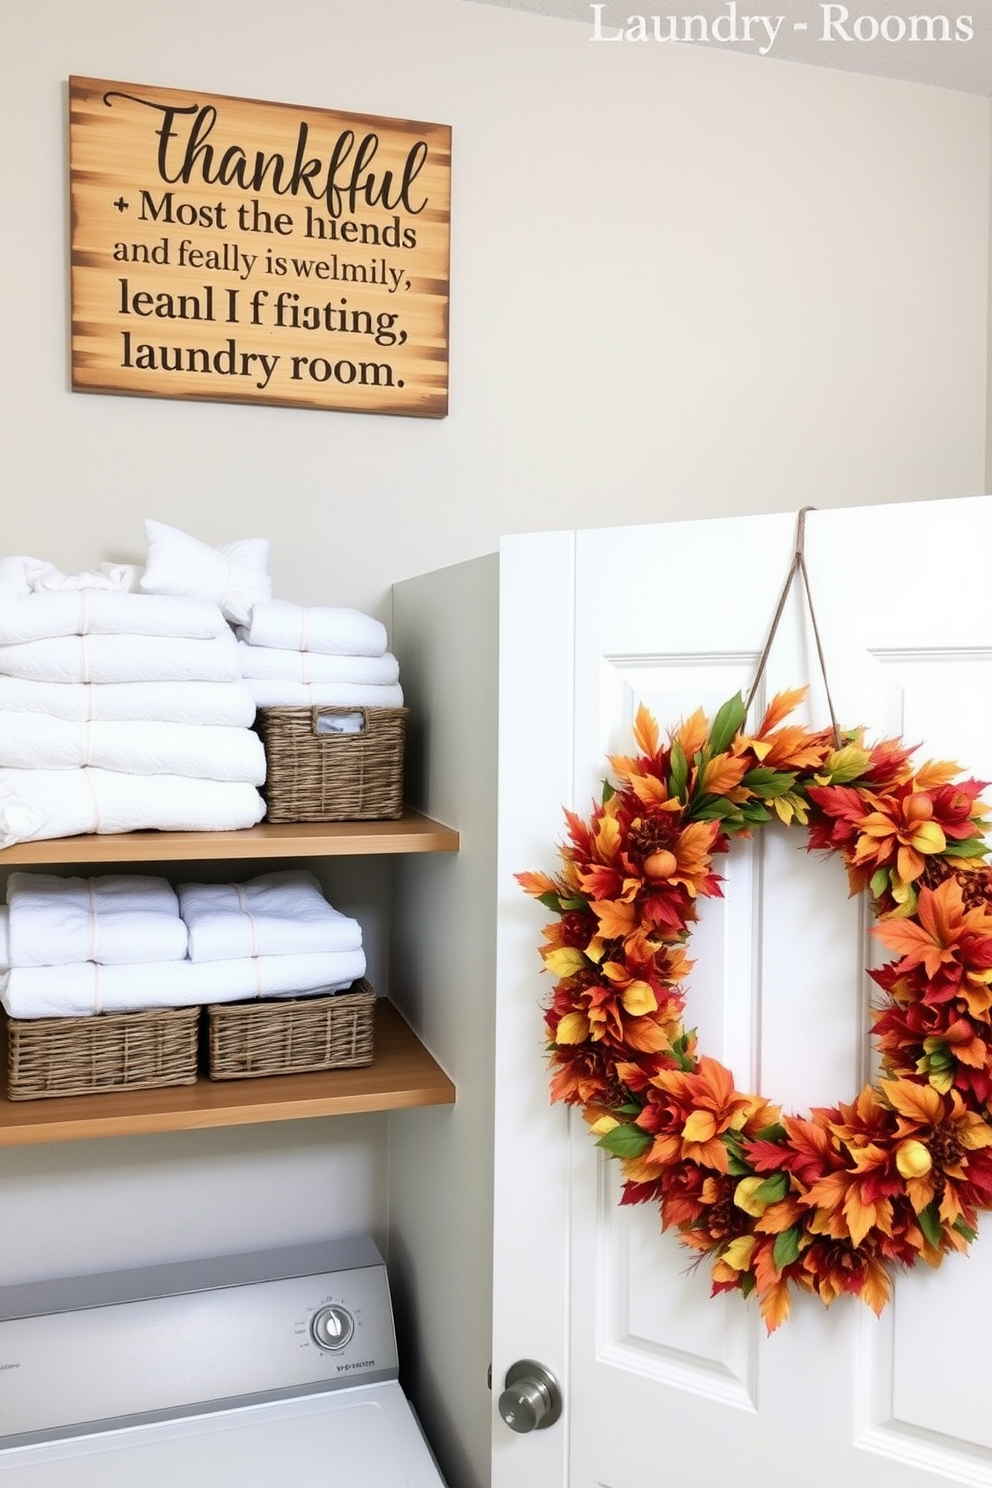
x=257, y=1370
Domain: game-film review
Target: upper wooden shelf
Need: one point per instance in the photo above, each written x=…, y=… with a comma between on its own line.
x=411, y=833
x=402, y=1075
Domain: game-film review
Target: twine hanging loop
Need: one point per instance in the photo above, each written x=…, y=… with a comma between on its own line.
x=798, y=566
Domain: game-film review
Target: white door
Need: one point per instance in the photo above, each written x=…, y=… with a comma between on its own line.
x=662, y=1383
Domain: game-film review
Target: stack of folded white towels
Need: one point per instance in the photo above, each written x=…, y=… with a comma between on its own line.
x=122, y=710
x=128, y=695
x=299, y=656
x=76, y=946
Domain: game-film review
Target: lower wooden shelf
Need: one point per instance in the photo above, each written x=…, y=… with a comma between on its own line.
x=403, y=1074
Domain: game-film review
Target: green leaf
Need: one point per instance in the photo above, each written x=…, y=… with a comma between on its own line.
x=747, y=1282
x=971, y=847
x=625, y=1141
x=575, y=904
x=710, y=808
x=679, y=779
x=846, y=764
x=608, y=792
x=774, y=1188
x=679, y=1050
x=774, y=1133
x=786, y=1247
x=768, y=783
x=738, y=1168
x=930, y=1224
x=965, y=1229
x=630, y=1109
x=728, y=722
x=753, y=811
x=879, y=882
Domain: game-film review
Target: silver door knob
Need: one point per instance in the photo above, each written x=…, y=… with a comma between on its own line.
x=531, y=1398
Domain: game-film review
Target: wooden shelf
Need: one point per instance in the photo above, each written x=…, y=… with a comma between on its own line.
x=411, y=833
x=403, y=1074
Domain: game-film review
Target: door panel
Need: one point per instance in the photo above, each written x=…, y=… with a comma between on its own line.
x=661, y=1378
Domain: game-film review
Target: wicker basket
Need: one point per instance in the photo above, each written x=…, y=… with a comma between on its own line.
x=316, y=773
x=108, y=1051
x=282, y=1036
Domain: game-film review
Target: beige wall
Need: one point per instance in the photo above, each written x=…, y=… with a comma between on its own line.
x=682, y=282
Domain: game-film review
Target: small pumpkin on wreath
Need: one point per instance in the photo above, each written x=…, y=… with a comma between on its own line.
x=834, y=1201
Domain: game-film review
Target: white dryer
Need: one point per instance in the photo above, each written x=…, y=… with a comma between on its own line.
x=243, y=1371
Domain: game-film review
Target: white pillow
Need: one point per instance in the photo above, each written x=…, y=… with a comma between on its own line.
x=234, y=576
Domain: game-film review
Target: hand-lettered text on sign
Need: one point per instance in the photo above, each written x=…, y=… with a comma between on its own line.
x=251, y=252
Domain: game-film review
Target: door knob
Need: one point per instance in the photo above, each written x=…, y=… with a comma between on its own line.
x=531, y=1398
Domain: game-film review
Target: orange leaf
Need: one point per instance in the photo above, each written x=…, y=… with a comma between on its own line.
x=921, y=1103
x=876, y=1288
x=722, y=773
x=536, y=884
x=692, y=733
x=616, y=919
x=646, y=735
x=780, y=707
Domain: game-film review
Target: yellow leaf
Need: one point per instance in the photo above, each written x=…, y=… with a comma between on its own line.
x=929, y=838
x=638, y=999
x=738, y=1253
x=744, y=1197
x=564, y=961
x=608, y=837
x=603, y=1125
x=700, y=1127
x=572, y=1029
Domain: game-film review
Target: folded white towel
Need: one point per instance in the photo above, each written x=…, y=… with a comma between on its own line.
x=273, y=915
x=113, y=919
x=86, y=987
x=124, y=658
x=235, y=575
x=20, y=577
x=40, y=804
x=4, y=937
x=276, y=694
x=293, y=627
x=271, y=664
x=226, y=704
x=97, y=612
x=32, y=741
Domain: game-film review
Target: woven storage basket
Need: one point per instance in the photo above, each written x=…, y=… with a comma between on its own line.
x=282, y=1036
x=316, y=774
x=108, y=1051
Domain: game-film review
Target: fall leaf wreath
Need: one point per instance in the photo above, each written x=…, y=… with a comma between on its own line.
x=831, y=1202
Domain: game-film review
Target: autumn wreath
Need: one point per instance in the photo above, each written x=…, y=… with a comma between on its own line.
x=834, y=1201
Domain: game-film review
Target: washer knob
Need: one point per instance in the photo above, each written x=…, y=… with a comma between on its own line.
x=331, y=1327
x=531, y=1399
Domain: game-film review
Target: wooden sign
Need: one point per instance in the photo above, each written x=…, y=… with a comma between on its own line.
x=229, y=249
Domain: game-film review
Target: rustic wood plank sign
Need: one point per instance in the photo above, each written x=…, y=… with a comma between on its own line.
x=235, y=250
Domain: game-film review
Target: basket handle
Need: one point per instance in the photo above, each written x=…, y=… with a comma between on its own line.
x=339, y=722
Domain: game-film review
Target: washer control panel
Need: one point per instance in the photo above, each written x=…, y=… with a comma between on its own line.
x=255, y=1336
